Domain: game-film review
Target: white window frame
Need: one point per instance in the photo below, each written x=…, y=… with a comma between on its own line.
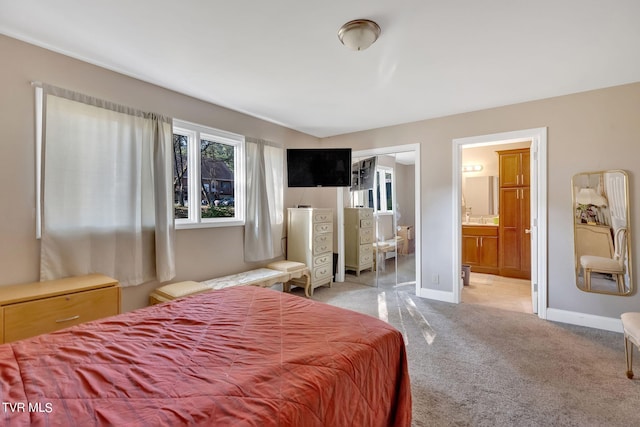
x=377, y=185
x=362, y=197
x=195, y=133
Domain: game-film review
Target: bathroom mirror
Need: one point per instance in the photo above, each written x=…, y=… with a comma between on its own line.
x=602, y=232
x=480, y=196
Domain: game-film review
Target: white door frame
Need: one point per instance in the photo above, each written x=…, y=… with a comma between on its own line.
x=417, y=226
x=538, y=138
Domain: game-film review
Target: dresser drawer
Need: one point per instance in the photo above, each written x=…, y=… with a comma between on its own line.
x=366, y=258
x=322, y=243
x=36, y=317
x=322, y=239
x=366, y=249
x=366, y=223
x=322, y=272
x=323, y=216
x=365, y=213
x=366, y=235
x=323, y=227
x=321, y=248
x=322, y=259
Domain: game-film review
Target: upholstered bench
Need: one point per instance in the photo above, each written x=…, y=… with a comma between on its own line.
x=276, y=272
x=631, y=327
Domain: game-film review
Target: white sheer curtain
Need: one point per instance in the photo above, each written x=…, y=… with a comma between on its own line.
x=264, y=213
x=106, y=184
x=615, y=185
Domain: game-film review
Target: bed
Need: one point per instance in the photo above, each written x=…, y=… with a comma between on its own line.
x=241, y=356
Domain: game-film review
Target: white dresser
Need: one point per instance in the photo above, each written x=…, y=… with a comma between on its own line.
x=310, y=241
x=358, y=239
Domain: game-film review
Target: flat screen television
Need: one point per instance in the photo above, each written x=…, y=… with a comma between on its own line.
x=319, y=167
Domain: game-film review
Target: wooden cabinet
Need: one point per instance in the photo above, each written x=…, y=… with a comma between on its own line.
x=310, y=241
x=36, y=308
x=480, y=248
x=515, y=227
x=358, y=239
x=514, y=168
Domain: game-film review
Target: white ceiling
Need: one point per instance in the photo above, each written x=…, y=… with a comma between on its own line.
x=280, y=60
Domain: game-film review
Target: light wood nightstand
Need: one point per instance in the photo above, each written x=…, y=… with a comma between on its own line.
x=36, y=308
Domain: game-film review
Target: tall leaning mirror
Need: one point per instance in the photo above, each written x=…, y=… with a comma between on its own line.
x=602, y=232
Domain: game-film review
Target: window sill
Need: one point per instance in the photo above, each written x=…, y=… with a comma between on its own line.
x=220, y=223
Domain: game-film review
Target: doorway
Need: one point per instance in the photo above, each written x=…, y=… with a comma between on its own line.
x=394, y=251
x=538, y=226
x=495, y=246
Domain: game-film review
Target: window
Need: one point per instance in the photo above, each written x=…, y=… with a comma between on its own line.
x=208, y=176
x=383, y=189
x=383, y=186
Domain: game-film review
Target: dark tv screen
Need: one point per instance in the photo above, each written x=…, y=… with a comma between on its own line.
x=319, y=167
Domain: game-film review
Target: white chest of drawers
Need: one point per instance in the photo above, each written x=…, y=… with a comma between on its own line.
x=310, y=241
x=358, y=239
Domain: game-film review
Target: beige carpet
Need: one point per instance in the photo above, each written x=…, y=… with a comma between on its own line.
x=473, y=364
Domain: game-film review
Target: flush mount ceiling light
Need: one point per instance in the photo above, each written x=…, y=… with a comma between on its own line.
x=359, y=34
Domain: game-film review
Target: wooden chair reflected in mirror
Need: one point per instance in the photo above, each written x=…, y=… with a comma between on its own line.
x=602, y=232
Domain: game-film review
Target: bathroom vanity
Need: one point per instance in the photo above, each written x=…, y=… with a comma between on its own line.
x=480, y=247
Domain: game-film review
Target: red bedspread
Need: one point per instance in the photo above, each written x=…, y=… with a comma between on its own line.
x=242, y=356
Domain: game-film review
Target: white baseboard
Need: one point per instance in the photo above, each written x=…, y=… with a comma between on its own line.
x=553, y=314
x=436, y=295
x=581, y=319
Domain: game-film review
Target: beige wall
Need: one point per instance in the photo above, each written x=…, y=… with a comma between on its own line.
x=200, y=254
x=590, y=131
x=405, y=189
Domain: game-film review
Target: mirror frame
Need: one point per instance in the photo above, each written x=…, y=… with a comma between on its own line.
x=598, y=217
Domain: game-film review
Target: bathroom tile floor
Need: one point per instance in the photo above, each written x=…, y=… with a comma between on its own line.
x=504, y=293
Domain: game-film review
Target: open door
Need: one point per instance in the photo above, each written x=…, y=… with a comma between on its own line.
x=532, y=230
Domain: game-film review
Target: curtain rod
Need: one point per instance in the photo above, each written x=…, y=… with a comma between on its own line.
x=97, y=102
